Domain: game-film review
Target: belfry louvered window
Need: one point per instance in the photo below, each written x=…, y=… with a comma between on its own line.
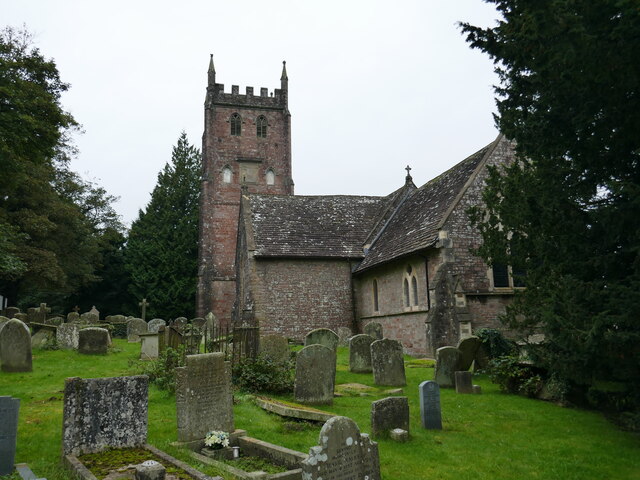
x=236, y=125
x=261, y=127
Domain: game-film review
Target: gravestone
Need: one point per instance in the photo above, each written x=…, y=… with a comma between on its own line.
x=93, y=341
x=23, y=317
x=374, y=329
x=144, y=304
x=360, y=353
x=134, y=327
x=54, y=321
x=15, y=347
x=42, y=338
x=387, y=363
x=9, y=408
x=88, y=318
x=179, y=323
x=389, y=413
x=468, y=348
x=198, y=322
x=463, y=382
x=344, y=334
x=447, y=359
x=477, y=389
x=40, y=315
x=204, y=398
x=322, y=336
x=343, y=453
x=32, y=314
x=154, y=325
x=275, y=348
x=116, y=319
x=149, y=348
x=211, y=322
x=3, y=320
x=102, y=413
x=73, y=317
x=315, y=375
x=96, y=314
x=430, y=412
x=68, y=336
x=11, y=311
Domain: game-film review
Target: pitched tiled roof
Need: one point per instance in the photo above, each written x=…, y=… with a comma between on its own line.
x=416, y=222
x=313, y=226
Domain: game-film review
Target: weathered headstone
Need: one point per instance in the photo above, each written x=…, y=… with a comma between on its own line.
x=387, y=363
x=322, y=336
x=389, y=413
x=430, y=412
x=179, y=323
x=343, y=453
x=447, y=359
x=468, y=348
x=204, y=398
x=15, y=347
x=150, y=470
x=374, y=329
x=198, y=322
x=135, y=326
x=42, y=338
x=93, y=341
x=463, y=382
x=68, y=336
x=11, y=311
x=54, y=321
x=88, y=318
x=154, y=325
x=73, y=317
x=9, y=408
x=3, y=320
x=360, y=353
x=32, y=314
x=101, y=413
x=275, y=348
x=23, y=317
x=148, y=346
x=315, y=375
x=211, y=323
x=477, y=389
x=41, y=313
x=96, y=314
x=344, y=334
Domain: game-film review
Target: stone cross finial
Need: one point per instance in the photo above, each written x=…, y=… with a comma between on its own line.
x=144, y=304
x=408, y=169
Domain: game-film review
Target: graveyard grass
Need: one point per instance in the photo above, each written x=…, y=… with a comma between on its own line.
x=488, y=436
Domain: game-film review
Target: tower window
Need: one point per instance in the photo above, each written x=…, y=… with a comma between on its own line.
x=271, y=177
x=226, y=175
x=261, y=127
x=236, y=124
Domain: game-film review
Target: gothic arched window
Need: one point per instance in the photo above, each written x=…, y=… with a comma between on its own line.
x=271, y=177
x=375, y=295
x=226, y=175
x=405, y=291
x=236, y=124
x=414, y=289
x=261, y=126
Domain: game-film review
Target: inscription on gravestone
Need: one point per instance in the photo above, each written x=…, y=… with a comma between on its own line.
x=430, y=412
x=9, y=408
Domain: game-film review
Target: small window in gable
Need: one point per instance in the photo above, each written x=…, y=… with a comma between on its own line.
x=236, y=124
x=226, y=175
x=271, y=177
x=414, y=289
x=375, y=296
x=261, y=127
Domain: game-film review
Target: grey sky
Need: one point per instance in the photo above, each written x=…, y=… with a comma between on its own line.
x=373, y=85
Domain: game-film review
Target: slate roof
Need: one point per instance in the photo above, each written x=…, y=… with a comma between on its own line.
x=417, y=220
x=334, y=226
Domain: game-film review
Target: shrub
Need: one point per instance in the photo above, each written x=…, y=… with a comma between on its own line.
x=494, y=343
x=515, y=377
x=262, y=374
x=162, y=371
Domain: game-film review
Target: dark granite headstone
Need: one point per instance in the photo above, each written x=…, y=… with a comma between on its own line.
x=93, y=341
x=430, y=412
x=9, y=408
x=322, y=336
x=360, y=353
x=15, y=347
x=468, y=348
x=315, y=375
x=387, y=363
x=102, y=413
x=374, y=329
x=463, y=382
x=343, y=453
x=389, y=413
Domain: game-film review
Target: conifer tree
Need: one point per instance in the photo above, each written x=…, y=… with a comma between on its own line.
x=161, y=252
x=568, y=210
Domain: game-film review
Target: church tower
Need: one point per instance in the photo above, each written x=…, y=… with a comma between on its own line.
x=246, y=144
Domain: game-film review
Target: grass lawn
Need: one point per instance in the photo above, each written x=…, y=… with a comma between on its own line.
x=489, y=436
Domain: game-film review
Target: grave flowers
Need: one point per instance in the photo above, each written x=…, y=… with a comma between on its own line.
x=216, y=440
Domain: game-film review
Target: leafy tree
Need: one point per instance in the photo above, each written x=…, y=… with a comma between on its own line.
x=161, y=252
x=567, y=211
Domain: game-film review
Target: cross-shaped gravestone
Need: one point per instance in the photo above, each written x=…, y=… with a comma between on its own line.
x=144, y=304
x=43, y=311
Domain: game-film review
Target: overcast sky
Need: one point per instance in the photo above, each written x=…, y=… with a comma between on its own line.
x=373, y=85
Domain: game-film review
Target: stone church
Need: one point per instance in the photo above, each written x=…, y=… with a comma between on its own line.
x=292, y=263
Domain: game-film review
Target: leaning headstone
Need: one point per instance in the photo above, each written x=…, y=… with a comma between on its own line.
x=387, y=363
x=93, y=341
x=463, y=382
x=42, y=338
x=374, y=329
x=477, y=389
x=9, y=408
x=204, y=398
x=315, y=375
x=88, y=318
x=344, y=334
x=389, y=413
x=148, y=346
x=343, y=453
x=68, y=336
x=15, y=347
x=135, y=326
x=11, y=311
x=430, y=412
x=275, y=348
x=447, y=359
x=322, y=336
x=468, y=348
x=179, y=323
x=102, y=413
x=360, y=353
x=3, y=320
x=73, y=317
x=154, y=325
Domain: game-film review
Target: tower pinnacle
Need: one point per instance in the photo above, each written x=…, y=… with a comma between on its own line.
x=212, y=72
